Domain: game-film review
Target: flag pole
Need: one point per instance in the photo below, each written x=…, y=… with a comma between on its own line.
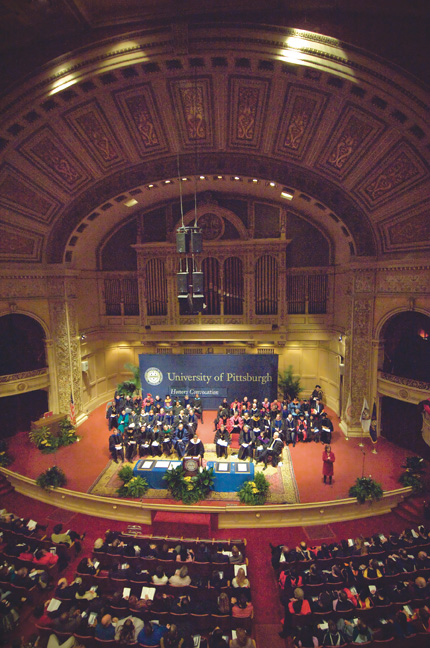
x=70, y=347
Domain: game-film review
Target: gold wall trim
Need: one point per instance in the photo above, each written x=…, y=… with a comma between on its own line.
x=280, y=515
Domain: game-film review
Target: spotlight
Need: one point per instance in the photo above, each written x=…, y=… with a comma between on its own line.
x=83, y=336
x=340, y=338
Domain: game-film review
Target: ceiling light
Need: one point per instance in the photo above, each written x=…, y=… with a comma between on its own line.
x=254, y=180
x=131, y=202
x=150, y=186
x=272, y=184
x=287, y=193
x=202, y=177
x=220, y=177
x=236, y=178
x=184, y=179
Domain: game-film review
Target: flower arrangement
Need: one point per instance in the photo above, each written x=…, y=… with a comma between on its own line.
x=366, y=489
x=413, y=474
x=132, y=486
x=189, y=489
x=5, y=458
x=54, y=477
x=46, y=442
x=255, y=492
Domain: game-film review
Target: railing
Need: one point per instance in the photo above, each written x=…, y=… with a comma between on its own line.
x=400, y=388
x=24, y=381
x=228, y=516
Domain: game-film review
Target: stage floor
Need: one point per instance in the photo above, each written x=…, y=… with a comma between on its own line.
x=85, y=461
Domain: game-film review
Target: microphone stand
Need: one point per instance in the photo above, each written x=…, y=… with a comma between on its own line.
x=364, y=458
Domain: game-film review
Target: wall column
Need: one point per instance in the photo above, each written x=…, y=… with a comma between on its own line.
x=65, y=345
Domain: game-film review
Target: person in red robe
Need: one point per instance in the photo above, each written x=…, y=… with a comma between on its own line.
x=328, y=459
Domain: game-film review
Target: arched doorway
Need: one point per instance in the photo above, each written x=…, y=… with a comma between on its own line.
x=406, y=354
x=22, y=349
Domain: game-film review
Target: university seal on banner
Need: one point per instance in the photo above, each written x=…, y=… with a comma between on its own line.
x=153, y=376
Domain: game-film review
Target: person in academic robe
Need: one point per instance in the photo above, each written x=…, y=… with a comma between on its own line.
x=137, y=404
x=145, y=440
x=186, y=401
x=198, y=407
x=316, y=395
x=256, y=423
x=182, y=417
x=245, y=406
x=157, y=404
x=222, y=440
x=147, y=402
x=290, y=429
x=266, y=423
x=261, y=443
x=313, y=429
x=246, y=443
x=246, y=419
x=328, y=460
x=301, y=429
x=294, y=405
x=275, y=408
x=272, y=452
x=221, y=418
x=305, y=408
x=235, y=407
x=160, y=418
x=326, y=428
x=195, y=448
x=180, y=440
x=166, y=436
x=116, y=447
x=168, y=405
x=150, y=418
x=255, y=409
x=112, y=417
x=192, y=420
x=123, y=420
x=156, y=442
x=235, y=424
x=127, y=404
x=265, y=406
x=130, y=442
x=278, y=425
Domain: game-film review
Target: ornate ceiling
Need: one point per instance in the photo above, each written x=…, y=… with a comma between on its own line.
x=252, y=109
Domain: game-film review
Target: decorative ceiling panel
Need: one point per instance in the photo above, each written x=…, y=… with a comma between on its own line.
x=248, y=98
x=192, y=102
x=399, y=171
x=299, y=119
x=18, y=244
x=23, y=196
x=89, y=124
x=354, y=133
x=407, y=232
x=50, y=155
x=141, y=115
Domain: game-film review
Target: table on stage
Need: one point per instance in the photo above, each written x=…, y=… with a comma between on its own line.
x=229, y=476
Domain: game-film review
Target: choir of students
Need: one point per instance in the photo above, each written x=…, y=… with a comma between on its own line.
x=154, y=426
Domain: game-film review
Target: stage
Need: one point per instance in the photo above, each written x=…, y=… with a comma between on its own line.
x=85, y=462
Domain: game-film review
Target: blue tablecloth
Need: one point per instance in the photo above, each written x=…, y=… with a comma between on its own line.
x=226, y=481
x=154, y=470
x=238, y=472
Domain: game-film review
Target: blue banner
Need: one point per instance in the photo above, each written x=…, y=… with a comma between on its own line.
x=212, y=377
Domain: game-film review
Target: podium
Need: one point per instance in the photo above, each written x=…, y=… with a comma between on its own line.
x=51, y=422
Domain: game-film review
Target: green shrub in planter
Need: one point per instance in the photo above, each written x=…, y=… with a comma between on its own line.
x=189, y=489
x=125, y=474
x=5, y=458
x=134, y=487
x=67, y=434
x=413, y=474
x=255, y=492
x=52, y=478
x=366, y=489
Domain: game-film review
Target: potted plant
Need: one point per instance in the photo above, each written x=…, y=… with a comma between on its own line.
x=132, y=486
x=366, y=489
x=255, y=492
x=54, y=477
x=413, y=474
x=189, y=489
x=132, y=385
x=288, y=385
x=5, y=458
x=67, y=434
x=44, y=440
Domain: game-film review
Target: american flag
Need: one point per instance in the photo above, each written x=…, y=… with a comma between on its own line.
x=72, y=410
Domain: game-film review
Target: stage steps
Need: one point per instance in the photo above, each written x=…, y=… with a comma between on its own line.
x=411, y=510
x=5, y=486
